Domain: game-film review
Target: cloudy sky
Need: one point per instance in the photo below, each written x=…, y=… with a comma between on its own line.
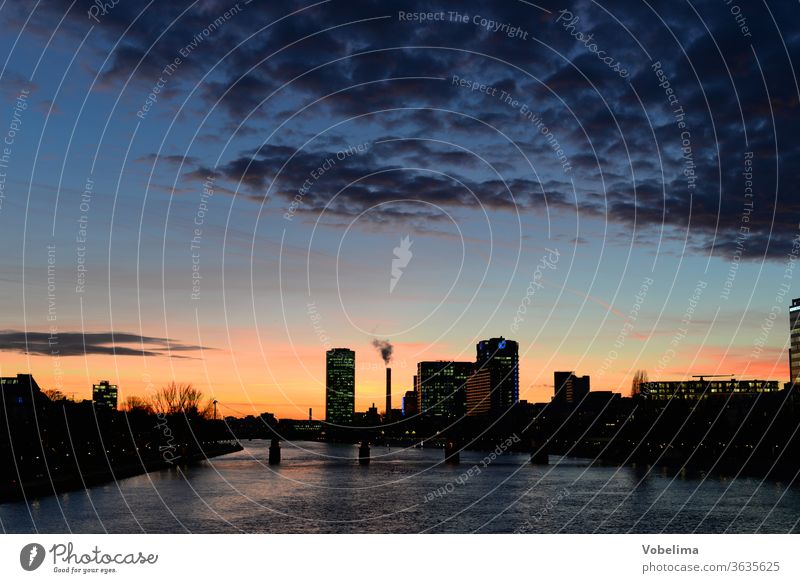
x=215, y=192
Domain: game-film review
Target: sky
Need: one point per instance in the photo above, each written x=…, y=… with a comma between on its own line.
x=216, y=193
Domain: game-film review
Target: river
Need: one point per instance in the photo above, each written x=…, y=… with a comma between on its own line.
x=320, y=487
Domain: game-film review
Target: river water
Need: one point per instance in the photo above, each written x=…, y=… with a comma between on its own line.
x=321, y=487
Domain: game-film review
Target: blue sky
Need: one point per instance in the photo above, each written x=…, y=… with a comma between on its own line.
x=270, y=92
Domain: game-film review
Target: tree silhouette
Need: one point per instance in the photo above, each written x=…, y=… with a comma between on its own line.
x=638, y=378
x=137, y=404
x=177, y=398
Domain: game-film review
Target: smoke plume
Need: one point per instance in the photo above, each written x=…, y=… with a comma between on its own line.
x=385, y=347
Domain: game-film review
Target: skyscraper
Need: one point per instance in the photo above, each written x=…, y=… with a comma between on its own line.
x=340, y=386
x=501, y=358
x=794, y=346
x=105, y=395
x=441, y=388
x=568, y=388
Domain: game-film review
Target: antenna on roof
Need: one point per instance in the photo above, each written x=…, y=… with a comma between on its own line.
x=703, y=377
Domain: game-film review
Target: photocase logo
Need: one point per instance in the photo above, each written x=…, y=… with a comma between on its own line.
x=402, y=255
x=31, y=556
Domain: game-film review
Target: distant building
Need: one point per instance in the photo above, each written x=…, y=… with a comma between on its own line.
x=794, y=346
x=20, y=390
x=300, y=428
x=479, y=393
x=598, y=400
x=441, y=388
x=501, y=358
x=701, y=388
x=269, y=419
x=340, y=386
x=105, y=395
x=373, y=417
x=368, y=418
x=530, y=410
x=410, y=404
x=569, y=389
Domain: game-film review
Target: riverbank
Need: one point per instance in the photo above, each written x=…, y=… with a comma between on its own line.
x=66, y=483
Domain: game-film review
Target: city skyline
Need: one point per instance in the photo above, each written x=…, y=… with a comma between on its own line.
x=395, y=266
x=476, y=377
x=535, y=194
x=770, y=361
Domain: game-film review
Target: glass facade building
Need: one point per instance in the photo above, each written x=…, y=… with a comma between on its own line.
x=479, y=393
x=340, y=386
x=501, y=358
x=441, y=388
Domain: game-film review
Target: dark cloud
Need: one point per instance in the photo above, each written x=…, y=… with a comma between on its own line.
x=80, y=344
x=360, y=181
x=739, y=94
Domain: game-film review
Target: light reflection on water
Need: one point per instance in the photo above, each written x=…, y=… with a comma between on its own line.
x=321, y=488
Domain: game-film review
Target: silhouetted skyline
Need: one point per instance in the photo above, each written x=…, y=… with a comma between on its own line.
x=232, y=190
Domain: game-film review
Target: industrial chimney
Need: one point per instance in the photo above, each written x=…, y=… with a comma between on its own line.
x=388, y=392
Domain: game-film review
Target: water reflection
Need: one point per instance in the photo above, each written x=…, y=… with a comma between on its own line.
x=322, y=488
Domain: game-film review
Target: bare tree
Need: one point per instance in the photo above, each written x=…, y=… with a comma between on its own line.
x=55, y=395
x=189, y=400
x=165, y=400
x=638, y=378
x=179, y=398
x=134, y=404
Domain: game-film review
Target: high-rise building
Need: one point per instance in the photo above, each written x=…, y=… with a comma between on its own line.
x=568, y=388
x=105, y=395
x=501, y=358
x=340, y=386
x=794, y=346
x=479, y=393
x=441, y=388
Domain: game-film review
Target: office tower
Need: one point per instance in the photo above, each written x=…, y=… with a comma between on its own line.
x=568, y=388
x=340, y=386
x=501, y=358
x=104, y=395
x=794, y=346
x=441, y=388
x=479, y=393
